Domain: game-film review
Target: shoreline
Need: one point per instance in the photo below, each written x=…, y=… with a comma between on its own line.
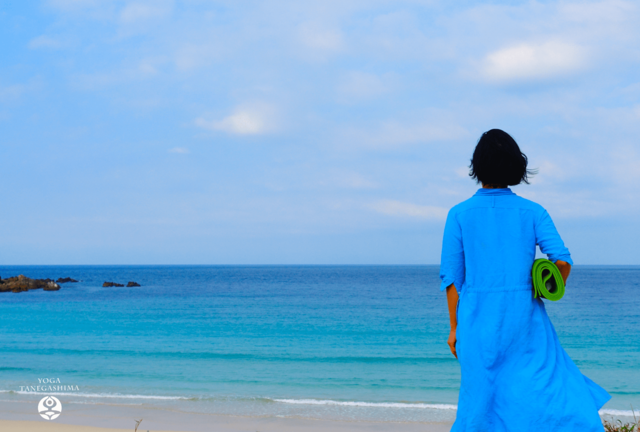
x=22, y=416
x=23, y=408
x=235, y=425
x=78, y=417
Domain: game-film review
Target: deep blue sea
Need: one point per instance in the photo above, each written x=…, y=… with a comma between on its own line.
x=342, y=342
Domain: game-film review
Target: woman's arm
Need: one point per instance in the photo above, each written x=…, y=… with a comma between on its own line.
x=452, y=302
x=565, y=269
x=551, y=244
x=452, y=271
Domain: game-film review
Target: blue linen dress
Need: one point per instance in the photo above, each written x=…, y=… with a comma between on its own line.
x=515, y=374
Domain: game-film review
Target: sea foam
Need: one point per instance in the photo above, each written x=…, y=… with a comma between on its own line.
x=368, y=404
x=619, y=413
x=98, y=395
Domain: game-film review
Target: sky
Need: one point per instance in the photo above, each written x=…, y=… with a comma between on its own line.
x=307, y=132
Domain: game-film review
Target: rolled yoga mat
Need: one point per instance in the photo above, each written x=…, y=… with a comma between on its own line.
x=547, y=280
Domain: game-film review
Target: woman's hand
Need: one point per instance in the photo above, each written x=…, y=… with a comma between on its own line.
x=452, y=342
x=565, y=269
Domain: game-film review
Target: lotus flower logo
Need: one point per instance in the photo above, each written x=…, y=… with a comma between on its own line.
x=49, y=408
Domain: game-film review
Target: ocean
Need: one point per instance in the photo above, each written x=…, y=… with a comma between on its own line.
x=333, y=342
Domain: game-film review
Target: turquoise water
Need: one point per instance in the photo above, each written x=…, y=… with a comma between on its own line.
x=344, y=342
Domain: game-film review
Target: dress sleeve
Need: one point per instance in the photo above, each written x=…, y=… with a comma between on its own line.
x=549, y=240
x=452, y=260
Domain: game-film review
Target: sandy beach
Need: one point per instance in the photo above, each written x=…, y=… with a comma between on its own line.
x=23, y=417
x=236, y=425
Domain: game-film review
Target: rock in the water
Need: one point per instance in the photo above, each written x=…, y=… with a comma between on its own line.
x=22, y=283
x=133, y=284
x=51, y=286
x=111, y=284
x=66, y=280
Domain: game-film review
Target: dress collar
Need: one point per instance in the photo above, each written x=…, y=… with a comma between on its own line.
x=493, y=192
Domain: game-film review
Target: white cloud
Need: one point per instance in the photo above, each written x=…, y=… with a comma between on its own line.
x=138, y=11
x=462, y=172
x=320, y=40
x=361, y=85
x=44, y=42
x=550, y=173
x=608, y=11
x=144, y=70
x=179, y=150
x=357, y=181
x=578, y=204
x=152, y=65
x=254, y=119
x=11, y=92
x=72, y=4
x=527, y=61
x=632, y=90
x=94, y=9
x=393, y=133
x=625, y=160
x=398, y=208
x=16, y=91
x=191, y=56
x=349, y=180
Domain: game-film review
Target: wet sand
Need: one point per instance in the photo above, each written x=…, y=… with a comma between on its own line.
x=23, y=417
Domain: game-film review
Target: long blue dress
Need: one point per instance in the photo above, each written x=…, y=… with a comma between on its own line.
x=515, y=374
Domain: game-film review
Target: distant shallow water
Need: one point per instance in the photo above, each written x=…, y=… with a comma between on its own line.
x=343, y=342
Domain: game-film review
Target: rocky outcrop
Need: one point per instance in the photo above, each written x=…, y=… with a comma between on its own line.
x=115, y=284
x=22, y=283
x=66, y=280
x=51, y=286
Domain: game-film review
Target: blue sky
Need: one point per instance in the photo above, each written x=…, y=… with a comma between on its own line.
x=313, y=132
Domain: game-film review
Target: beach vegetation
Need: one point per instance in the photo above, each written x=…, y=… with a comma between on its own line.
x=619, y=427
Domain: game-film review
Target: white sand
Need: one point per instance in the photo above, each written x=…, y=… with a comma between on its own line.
x=233, y=424
x=23, y=417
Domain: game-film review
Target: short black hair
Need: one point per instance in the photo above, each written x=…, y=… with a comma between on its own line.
x=497, y=160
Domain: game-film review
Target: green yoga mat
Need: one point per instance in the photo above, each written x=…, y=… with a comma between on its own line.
x=547, y=280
